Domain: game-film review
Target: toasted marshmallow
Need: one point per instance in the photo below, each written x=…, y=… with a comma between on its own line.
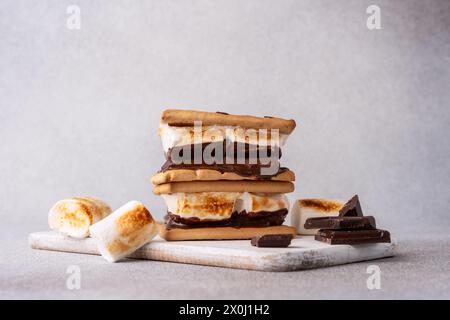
x=202, y=205
x=221, y=205
x=172, y=136
x=312, y=208
x=251, y=202
x=124, y=231
x=73, y=216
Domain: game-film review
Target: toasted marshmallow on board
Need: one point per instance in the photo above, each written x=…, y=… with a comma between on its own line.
x=73, y=216
x=304, y=209
x=221, y=205
x=124, y=231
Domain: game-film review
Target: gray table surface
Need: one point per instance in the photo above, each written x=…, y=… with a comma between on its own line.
x=79, y=111
x=420, y=270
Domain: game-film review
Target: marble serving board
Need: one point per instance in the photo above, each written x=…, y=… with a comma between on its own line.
x=303, y=253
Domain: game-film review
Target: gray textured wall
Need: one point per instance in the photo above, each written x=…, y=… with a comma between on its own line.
x=79, y=109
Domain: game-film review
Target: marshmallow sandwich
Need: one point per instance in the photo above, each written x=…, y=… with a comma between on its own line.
x=222, y=178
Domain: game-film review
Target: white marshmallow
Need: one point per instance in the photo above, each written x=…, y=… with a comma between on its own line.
x=312, y=208
x=251, y=202
x=172, y=136
x=124, y=231
x=73, y=216
x=221, y=205
x=202, y=205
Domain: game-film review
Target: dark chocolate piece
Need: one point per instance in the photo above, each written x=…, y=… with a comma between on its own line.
x=353, y=236
x=224, y=113
x=339, y=223
x=272, y=240
x=237, y=219
x=352, y=208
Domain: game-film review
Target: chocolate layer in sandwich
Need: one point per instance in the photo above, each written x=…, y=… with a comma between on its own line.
x=237, y=219
x=245, y=170
x=245, y=159
x=234, y=150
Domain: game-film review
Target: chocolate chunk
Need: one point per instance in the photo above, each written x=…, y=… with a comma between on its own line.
x=353, y=236
x=272, y=240
x=352, y=208
x=220, y=112
x=339, y=223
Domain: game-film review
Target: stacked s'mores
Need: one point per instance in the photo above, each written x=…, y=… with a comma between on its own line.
x=222, y=177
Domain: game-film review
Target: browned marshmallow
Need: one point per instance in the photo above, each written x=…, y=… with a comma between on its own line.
x=214, y=206
x=73, y=216
x=124, y=231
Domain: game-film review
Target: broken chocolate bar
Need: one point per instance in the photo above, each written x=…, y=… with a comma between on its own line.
x=353, y=236
x=272, y=240
x=352, y=208
x=340, y=223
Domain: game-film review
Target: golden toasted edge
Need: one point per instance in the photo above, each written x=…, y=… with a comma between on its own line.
x=98, y=207
x=176, y=117
x=225, y=186
x=134, y=220
x=84, y=206
x=221, y=233
x=325, y=205
x=179, y=175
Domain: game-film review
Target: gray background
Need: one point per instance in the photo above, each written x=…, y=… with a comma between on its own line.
x=79, y=109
